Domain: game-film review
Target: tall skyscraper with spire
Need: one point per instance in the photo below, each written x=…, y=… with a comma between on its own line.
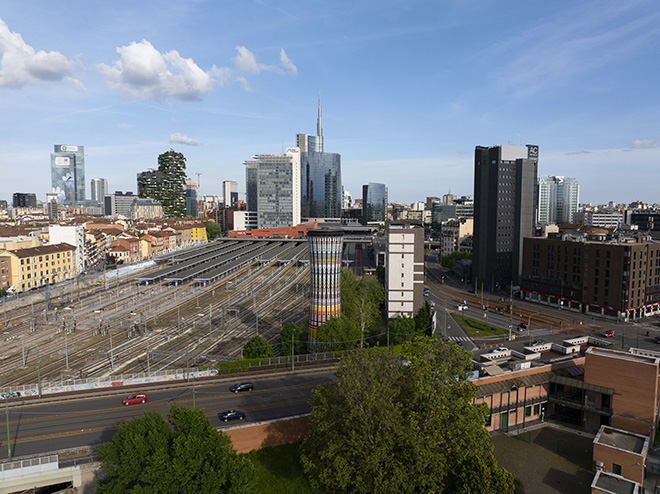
x=320, y=174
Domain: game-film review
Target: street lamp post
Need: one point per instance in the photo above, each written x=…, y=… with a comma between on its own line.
x=8, y=433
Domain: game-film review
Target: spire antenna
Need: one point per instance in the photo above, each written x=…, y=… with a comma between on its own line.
x=319, y=129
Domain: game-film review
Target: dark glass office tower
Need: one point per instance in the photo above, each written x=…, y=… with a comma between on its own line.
x=505, y=201
x=374, y=203
x=67, y=173
x=320, y=175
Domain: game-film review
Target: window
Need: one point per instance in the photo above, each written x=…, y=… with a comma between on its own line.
x=536, y=409
x=616, y=469
x=528, y=411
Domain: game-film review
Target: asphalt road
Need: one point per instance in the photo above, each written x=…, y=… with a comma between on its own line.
x=76, y=422
x=639, y=333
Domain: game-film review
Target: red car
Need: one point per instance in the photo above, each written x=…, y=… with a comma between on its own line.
x=608, y=333
x=135, y=399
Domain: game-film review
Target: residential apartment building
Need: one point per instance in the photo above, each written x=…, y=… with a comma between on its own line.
x=404, y=269
x=558, y=199
x=34, y=267
x=72, y=235
x=618, y=277
x=453, y=233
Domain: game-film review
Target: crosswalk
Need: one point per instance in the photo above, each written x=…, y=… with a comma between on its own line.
x=458, y=338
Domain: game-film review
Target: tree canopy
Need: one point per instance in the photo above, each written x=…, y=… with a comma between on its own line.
x=402, y=423
x=213, y=230
x=291, y=332
x=257, y=347
x=184, y=454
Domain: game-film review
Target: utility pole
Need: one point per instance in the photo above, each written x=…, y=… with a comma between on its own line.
x=148, y=363
x=292, y=348
x=112, y=360
x=38, y=373
x=210, y=317
x=23, y=348
x=66, y=349
x=187, y=366
x=8, y=434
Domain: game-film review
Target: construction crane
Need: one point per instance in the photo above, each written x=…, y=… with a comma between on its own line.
x=198, y=182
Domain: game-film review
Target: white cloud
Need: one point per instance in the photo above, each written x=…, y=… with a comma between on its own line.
x=21, y=65
x=287, y=63
x=645, y=144
x=245, y=61
x=243, y=82
x=178, y=138
x=144, y=72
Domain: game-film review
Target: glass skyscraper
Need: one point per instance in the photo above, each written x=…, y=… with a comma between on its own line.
x=99, y=189
x=374, y=203
x=321, y=185
x=67, y=172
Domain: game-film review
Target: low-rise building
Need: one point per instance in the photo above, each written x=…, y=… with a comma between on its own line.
x=33, y=267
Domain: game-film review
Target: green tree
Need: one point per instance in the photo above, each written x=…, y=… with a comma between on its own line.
x=361, y=302
x=291, y=332
x=213, y=230
x=448, y=261
x=337, y=333
x=423, y=320
x=402, y=423
x=184, y=454
x=401, y=329
x=257, y=347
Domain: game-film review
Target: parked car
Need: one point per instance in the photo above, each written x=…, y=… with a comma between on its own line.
x=462, y=307
x=537, y=342
x=656, y=339
x=237, y=388
x=522, y=325
x=232, y=415
x=609, y=333
x=135, y=399
x=500, y=349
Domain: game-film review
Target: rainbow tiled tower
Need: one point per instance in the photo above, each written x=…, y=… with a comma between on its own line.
x=325, y=249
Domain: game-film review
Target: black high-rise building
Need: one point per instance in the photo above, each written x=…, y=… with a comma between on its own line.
x=24, y=200
x=505, y=201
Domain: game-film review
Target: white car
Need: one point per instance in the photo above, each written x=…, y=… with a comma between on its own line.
x=500, y=349
x=462, y=307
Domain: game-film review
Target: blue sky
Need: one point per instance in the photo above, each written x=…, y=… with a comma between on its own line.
x=408, y=89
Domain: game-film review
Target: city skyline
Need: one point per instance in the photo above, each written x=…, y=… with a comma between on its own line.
x=408, y=90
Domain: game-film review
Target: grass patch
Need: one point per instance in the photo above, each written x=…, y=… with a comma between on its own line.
x=478, y=329
x=279, y=471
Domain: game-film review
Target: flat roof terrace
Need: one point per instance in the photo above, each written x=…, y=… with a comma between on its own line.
x=623, y=440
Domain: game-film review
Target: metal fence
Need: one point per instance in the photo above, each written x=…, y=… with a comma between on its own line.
x=62, y=385
x=32, y=465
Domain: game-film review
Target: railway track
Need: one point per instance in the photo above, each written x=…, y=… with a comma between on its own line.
x=170, y=324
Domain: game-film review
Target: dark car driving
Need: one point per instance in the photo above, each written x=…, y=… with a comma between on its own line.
x=232, y=415
x=237, y=388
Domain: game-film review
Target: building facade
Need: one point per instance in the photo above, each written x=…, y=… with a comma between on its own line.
x=24, y=200
x=278, y=189
x=72, y=235
x=321, y=184
x=613, y=277
x=67, y=172
x=505, y=203
x=120, y=204
x=251, y=197
x=404, y=270
x=230, y=193
x=374, y=203
x=191, y=198
x=601, y=217
x=325, y=249
x=558, y=199
x=99, y=188
x=25, y=269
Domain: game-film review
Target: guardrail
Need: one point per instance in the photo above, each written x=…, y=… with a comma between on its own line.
x=65, y=386
x=26, y=467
